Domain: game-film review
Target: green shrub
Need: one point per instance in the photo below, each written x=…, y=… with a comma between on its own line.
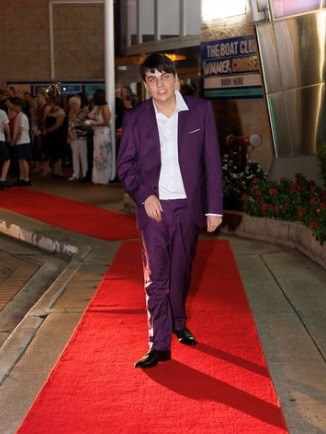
x=296, y=201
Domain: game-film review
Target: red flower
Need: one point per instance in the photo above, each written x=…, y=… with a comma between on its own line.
x=293, y=189
x=314, y=224
x=264, y=207
x=272, y=191
x=300, y=212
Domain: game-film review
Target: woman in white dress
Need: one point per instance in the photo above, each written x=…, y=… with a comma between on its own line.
x=77, y=137
x=99, y=119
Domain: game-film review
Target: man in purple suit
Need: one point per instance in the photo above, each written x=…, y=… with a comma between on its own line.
x=169, y=163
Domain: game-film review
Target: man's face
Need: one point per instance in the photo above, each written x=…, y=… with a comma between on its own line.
x=160, y=85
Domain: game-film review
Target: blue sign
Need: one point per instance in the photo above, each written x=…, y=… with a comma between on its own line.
x=91, y=88
x=231, y=68
x=70, y=89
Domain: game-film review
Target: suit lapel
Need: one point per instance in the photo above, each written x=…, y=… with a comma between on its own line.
x=184, y=125
x=150, y=129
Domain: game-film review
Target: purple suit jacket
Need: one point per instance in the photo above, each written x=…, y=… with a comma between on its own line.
x=139, y=160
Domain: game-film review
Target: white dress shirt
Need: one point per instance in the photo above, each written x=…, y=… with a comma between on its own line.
x=3, y=120
x=170, y=182
x=22, y=122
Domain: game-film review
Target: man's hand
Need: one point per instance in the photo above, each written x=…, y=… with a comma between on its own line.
x=213, y=222
x=153, y=207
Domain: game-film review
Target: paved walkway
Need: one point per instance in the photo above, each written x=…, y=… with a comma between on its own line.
x=286, y=291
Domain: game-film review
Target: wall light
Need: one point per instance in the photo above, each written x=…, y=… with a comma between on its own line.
x=213, y=9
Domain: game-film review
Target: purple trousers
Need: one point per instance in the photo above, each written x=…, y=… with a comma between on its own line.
x=168, y=249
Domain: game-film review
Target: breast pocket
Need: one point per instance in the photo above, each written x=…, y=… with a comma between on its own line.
x=194, y=131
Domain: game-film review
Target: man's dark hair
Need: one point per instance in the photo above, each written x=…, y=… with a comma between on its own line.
x=159, y=62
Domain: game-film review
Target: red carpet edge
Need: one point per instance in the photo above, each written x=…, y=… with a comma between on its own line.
x=69, y=214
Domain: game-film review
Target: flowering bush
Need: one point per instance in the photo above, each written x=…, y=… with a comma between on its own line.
x=236, y=182
x=297, y=201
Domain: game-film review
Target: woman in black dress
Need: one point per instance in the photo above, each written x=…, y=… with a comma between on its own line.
x=55, y=137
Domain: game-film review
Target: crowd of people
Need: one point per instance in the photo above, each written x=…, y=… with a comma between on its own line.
x=45, y=133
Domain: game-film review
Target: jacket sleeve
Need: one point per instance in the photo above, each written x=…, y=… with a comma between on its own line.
x=213, y=164
x=127, y=163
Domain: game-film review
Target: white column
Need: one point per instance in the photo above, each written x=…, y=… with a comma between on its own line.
x=109, y=72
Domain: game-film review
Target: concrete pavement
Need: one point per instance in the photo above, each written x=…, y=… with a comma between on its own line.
x=285, y=289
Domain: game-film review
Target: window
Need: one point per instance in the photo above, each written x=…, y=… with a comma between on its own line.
x=155, y=20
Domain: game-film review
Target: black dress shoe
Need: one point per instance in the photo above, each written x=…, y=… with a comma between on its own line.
x=4, y=185
x=23, y=183
x=152, y=358
x=186, y=337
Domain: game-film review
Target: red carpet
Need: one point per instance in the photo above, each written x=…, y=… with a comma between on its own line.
x=70, y=214
x=220, y=386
